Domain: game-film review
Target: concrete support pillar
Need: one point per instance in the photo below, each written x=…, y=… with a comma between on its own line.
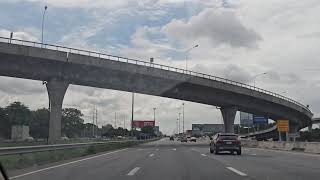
x=228, y=115
x=293, y=131
x=56, y=91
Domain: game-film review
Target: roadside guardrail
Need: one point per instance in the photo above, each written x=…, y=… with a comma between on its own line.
x=40, y=148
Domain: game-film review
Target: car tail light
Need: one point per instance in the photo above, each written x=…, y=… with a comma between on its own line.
x=219, y=142
x=238, y=142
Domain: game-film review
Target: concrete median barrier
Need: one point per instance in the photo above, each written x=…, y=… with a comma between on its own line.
x=310, y=147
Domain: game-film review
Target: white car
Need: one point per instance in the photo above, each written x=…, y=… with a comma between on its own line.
x=193, y=139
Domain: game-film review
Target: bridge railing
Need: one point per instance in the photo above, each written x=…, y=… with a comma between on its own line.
x=145, y=63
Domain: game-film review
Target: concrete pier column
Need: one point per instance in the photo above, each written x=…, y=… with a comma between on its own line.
x=228, y=115
x=293, y=131
x=56, y=91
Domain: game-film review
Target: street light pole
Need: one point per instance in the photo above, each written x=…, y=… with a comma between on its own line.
x=177, y=126
x=44, y=12
x=154, y=115
x=183, y=117
x=187, y=52
x=132, y=110
x=179, y=122
x=254, y=78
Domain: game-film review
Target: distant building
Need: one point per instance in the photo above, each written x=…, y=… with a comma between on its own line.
x=206, y=129
x=19, y=132
x=189, y=132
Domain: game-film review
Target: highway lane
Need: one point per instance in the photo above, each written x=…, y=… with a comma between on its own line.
x=165, y=159
x=270, y=164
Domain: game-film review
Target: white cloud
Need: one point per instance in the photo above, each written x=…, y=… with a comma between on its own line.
x=18, y=35
x=219, y=26
x=81, y=3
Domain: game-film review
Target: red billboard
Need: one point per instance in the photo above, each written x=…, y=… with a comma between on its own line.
x=141, y=124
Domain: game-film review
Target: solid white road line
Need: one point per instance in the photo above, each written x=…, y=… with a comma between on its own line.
x=65, y=164
x=174, y=149
x=151, y=155
x=203, y=155
x=133, y=171
x=236, y=171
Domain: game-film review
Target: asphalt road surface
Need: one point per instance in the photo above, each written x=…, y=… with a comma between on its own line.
x=166, y=160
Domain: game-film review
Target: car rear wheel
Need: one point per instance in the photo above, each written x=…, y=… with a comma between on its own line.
x=216, y=150
x=239, y=152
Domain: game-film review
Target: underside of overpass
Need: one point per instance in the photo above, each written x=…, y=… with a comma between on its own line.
x=59, y=69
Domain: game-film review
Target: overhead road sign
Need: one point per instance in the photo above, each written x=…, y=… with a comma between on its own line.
x=283, y=125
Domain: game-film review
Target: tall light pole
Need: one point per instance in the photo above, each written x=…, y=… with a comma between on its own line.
x=44, y=12
x=183, y=117
x=254, y=78
x=179, y=122
x=154, y=115
x=132, y=110
x=177, y=126
x=187, y=52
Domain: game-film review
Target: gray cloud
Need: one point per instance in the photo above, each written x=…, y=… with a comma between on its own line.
x=230, y=71
x=16, y=86
x=18, y=35
x=220, y=26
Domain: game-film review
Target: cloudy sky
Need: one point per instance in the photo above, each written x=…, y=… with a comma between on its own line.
x=237, y=39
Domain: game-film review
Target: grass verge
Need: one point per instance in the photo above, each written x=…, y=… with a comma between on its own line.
x=14, y=162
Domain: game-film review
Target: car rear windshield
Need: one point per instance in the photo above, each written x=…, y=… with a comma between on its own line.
x=228, y=137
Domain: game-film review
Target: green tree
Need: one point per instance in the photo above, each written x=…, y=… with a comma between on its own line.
x=88, y=129
x=39, y=125
x=72, y=122
x=4, y=124
x=18, y=114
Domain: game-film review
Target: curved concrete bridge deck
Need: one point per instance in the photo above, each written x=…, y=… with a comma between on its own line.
x=60, y=66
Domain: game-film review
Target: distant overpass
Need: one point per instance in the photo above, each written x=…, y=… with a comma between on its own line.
x=315, y=120
x=273, y=132
x=60, y=66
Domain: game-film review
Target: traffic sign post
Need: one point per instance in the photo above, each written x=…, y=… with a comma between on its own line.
x=283, y=126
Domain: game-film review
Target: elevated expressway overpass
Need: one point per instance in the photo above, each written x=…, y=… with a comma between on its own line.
x=60, y=66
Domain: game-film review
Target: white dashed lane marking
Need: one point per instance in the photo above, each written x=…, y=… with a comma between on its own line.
x=151, y=155
x=236, y=171
x=133, y=171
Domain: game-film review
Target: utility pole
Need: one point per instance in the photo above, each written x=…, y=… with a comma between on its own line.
x=115, y=120
x=97, y=120
x=154, y=115
x=179, y=122
x=132, y=110
x=124, y=121
x=93, y=122
x=183, y=117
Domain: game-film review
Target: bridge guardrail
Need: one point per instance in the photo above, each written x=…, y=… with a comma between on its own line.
x=260, y=132
x=40, y=148
x=145, y=63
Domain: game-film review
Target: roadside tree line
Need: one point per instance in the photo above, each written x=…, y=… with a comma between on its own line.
x=72, y=123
